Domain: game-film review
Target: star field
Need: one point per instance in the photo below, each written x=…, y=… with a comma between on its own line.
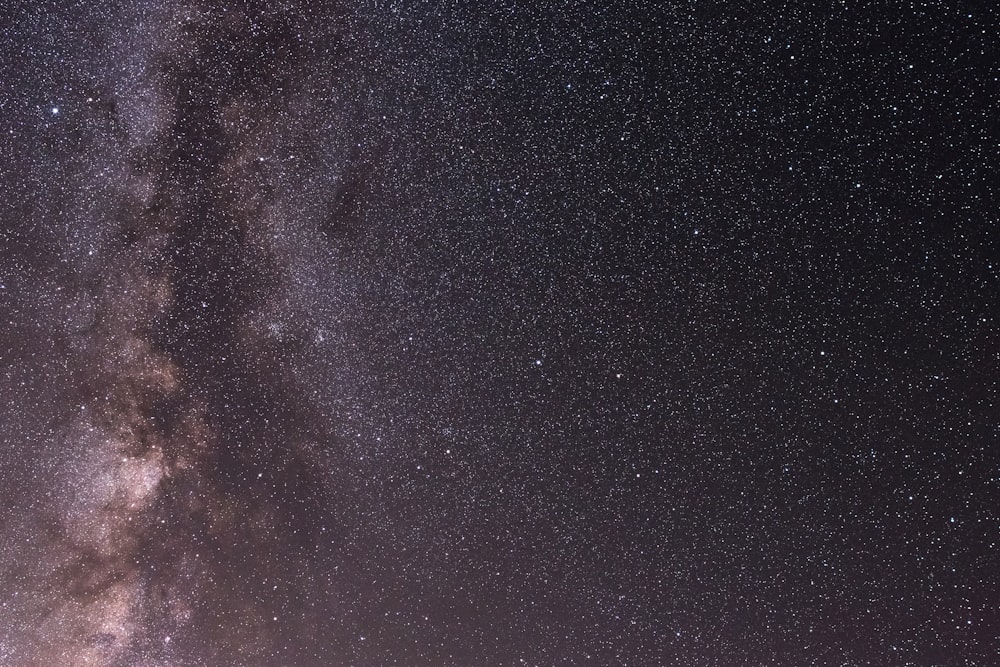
x=374, y=333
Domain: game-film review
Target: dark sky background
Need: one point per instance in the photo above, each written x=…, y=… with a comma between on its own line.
x=503, y=333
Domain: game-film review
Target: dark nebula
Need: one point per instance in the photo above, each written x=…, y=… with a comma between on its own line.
x=515, y=333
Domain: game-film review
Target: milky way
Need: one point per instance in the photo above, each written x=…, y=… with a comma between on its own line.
x=379, y=333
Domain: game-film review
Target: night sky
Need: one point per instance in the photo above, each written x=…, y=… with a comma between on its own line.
x=459, y=334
